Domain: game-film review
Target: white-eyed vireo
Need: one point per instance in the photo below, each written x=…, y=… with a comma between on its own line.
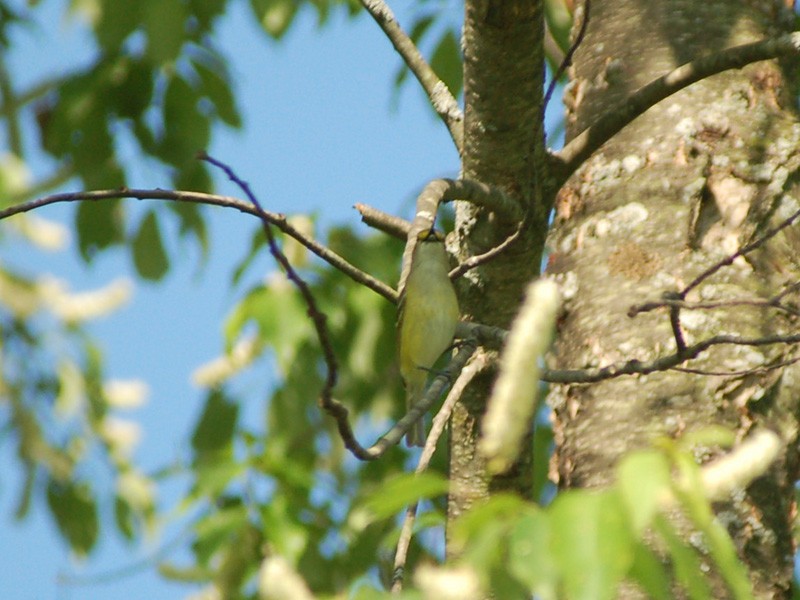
x=428, y=314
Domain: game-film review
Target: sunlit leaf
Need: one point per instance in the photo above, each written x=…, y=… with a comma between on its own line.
x=149, y=255
x=216, y=425
x=99, y=225
x=164, y=23
x=73, y=506
x=591, y=543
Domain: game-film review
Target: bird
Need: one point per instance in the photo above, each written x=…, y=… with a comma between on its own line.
x=427, y=318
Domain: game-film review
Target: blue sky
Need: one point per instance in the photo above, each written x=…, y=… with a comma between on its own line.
x=320, y=134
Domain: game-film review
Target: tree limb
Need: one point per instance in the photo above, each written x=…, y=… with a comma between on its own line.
x=276, y=219
x=567, y=160
x=440, y=97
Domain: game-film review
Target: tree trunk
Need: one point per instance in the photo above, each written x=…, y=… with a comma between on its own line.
x=684, y=185
x=503, y=78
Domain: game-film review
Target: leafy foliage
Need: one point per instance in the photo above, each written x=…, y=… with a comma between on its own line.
x=286, y=488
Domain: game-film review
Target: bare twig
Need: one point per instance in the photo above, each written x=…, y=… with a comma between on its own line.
x=440, y=97
x=276, y=219
x=728, y=260
x=318, y=318
x=637, y=367
x=742, y=372
x=444, y=190
x=387, y=223
x=434, y=391
x=573, y=155
x=480, y=259
x=568, y=57
x=773, y=303
x=477, y=364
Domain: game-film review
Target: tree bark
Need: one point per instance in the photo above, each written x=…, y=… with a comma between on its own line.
x=687, y=183
x=503, y=78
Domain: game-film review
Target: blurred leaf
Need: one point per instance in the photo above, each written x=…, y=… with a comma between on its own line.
x=192, y=223
x=165, y=24
x=529, y=556
x=205, y=11
x=685, y=561
x=559, y=21
x=257, y=242
x=287, y=536
x=649, y=573
x=130, y=87
x=397, y=493
x=216, y=425
x=446, y=62
x=542, y=449
x=720, y=546
x=117, y=21
x=591, y=543
x=99, y=225
x=643, y=481
x=193, y=176
x=275, y=16
x=216, y=528
x=124, y=518
x=217, y=88
x=186, y=130
x=73, y=507
x=149, y=255
x=281, y=317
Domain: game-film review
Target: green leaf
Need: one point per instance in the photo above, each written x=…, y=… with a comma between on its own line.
x=192, y=223
x=529, y=556
x=117, y=21
x=149, y=255
x=165, y=24
x=686, y=563
x=215, y=428
x=217, y=527
x=643, y=481
x=275, y=16
x=124, y=517
x=281, y=317
x=130, y=87
x=649, y=573
x=187, y=130
x=194, y=176
x=99, y=225
x=217, y=88
x=75, y=512
x=397, y=493
x=591, y=543
x=446, y=62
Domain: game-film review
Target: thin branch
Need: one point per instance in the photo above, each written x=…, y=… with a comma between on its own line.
x=637, y=367
x=480, y=259
x=773, y=303
x=445, y=190
x=579, y=149
x=440, y=97
x=317, y=317
x=392, y=225
x=276, y=219
x=433, y=393
x=477, y=364
x=754, y=245
x=742, y=372
x=568, y=57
